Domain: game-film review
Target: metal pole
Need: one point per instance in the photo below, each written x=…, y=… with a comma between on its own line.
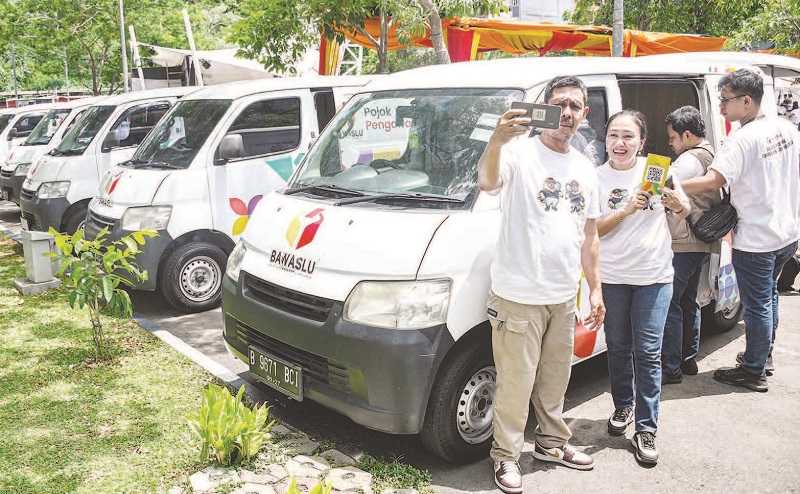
x=122, y=45
x=618, y=29
x=66, y=73
x=195, y=60
x=14, y=71
x=137, y=60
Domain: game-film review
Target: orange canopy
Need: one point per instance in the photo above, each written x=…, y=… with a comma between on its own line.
x=467, y=37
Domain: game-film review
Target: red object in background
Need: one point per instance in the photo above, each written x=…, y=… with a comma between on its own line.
x=585, y=340
x=459, y=44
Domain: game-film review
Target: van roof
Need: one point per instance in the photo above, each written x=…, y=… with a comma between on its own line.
x=79, y=103
x=39, y=107
x=121, y=99
x=524, y=73
x=239, y=89
x=784, y=66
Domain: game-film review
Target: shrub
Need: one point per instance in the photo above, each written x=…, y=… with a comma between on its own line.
x=91, y=271
x=229, y=431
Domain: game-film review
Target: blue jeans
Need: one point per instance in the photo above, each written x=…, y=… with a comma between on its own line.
x=684, y=313
x=757, y=275
x=634, y=327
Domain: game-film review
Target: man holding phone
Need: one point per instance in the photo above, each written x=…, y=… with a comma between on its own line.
x=549, y=201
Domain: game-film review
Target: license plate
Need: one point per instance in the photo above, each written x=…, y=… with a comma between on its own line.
x=277, y=373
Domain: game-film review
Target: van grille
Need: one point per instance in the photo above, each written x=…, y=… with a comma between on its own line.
x=96, y=222
x=27, y=194
x=295, y=303
x=7, y=173
x=315, y=367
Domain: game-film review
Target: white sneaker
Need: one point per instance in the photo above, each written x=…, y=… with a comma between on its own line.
x=508, y=477
x=619, y=421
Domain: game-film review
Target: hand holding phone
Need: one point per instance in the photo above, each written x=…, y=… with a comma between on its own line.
x=541, y=116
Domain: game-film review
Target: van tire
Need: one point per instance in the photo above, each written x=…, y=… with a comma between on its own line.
x=718, y=322
x=75, y=219
x=440, y=433
x=190, y=266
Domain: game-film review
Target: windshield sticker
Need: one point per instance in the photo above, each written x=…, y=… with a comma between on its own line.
x=244, y=212
x=285, y=166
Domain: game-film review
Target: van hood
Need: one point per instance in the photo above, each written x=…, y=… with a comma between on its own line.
x=47, y=168
x=325, y=250
x=23, y=154
x=124, y=186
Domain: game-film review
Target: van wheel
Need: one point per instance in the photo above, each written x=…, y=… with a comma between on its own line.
x=191, y=277
x=75, y=220
x=458, y=422
x=722, y=321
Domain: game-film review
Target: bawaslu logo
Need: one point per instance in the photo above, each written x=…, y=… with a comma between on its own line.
x=301, y=231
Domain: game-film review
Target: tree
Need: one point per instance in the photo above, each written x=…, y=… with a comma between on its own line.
x=778, y=23
x=278, y=32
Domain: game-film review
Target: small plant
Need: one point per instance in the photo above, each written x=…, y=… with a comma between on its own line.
x=229, y=430
x=393, y=473
x=91, y=271
x=321, y=488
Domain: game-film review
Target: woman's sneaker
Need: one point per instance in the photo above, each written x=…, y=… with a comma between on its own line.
x=619, y=421
x=508, y=477
x=644, y=448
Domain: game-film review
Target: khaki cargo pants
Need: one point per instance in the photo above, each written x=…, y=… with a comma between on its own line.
x=532, y=346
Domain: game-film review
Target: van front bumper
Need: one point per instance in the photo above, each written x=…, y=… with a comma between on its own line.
x=41, y=214
x=11, y=185
x=148, y=259
x=379, y=378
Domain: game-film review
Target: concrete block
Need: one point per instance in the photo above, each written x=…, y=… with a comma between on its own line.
x=26, y=287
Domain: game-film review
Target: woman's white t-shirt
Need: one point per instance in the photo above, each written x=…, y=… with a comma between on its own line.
x=638, y=251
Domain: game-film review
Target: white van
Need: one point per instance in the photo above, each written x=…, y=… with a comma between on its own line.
x=18, y=123
x=363, y=285
x=199, y=175
x=58, y=187
x=46, y=135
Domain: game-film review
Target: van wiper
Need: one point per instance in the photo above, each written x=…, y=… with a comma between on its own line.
x=327, y=188
x=407, y=196
x=138, y=164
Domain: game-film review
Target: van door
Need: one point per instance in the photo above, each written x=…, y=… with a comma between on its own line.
x=128, y=131
x=256, y=155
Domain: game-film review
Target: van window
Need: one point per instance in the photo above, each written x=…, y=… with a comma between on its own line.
x=26, y=124
x=591, y=136
x=46, y=128
x=268, y=127
x=418, y=141
x=326, y=108
x=656, y=99
x=4, y=119
x=134, y=124
x=75, y=120
x=78, y=138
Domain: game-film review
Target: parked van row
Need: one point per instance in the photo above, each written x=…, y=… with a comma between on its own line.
x=363, y=284
x=16, y=125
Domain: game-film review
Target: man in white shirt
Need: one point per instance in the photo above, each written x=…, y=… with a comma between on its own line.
x=760, y=164
x=549, y=203
x=686, y=132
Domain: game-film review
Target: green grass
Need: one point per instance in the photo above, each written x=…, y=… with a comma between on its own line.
x=394, y=473
x=69, y=424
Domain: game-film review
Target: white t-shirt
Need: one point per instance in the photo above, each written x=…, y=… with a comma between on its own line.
x=638, y=251
x=546, y=198
x=761, y=164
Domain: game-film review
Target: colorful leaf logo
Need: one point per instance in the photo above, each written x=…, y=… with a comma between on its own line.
x=244, y=212
x=112, y=183
x=309, y=232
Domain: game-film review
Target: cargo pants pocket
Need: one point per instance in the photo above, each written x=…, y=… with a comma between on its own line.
x=502, y=318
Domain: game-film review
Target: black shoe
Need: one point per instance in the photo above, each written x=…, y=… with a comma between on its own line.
x=644, y=448
x=740, y=377
x=671, y=377
x=619, y=421
x=689, y=367
x=769, y=368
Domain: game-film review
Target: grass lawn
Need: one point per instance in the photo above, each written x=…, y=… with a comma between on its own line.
x=70, y=425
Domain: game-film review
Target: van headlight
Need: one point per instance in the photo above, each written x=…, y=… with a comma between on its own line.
x=22, y=169
x=146, y=218
x=399, y=304
x=53, y=190
x=234, y=266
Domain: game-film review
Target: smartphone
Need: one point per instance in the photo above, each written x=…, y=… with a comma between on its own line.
x=542, y=116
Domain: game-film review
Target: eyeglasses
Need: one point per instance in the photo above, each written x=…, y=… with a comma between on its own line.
x=723, y=101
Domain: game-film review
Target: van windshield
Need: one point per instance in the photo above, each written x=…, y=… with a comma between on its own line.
x=178, y=137
x=407, y=144
x=81, y=134
x=46, y=128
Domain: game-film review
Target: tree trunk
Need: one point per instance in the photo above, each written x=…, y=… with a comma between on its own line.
x=383, y=45
x=437, y=38
x=618, y=29
x=98, y=337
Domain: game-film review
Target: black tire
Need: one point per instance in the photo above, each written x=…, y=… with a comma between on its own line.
x=722, y=321
x=191, y=266
x=75, y=219
x=441, y=433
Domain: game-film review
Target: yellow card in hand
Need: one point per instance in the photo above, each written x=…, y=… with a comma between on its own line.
x=655, y=173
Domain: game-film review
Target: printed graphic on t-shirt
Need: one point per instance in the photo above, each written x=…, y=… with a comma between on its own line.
x=776, y=145
x=550, y=194
x=577, y=203
x=616, y=198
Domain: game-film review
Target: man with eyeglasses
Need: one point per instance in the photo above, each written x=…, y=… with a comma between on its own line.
x=760, y=164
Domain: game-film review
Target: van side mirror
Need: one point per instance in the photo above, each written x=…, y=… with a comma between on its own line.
x=12, y=133
x=231, y=148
